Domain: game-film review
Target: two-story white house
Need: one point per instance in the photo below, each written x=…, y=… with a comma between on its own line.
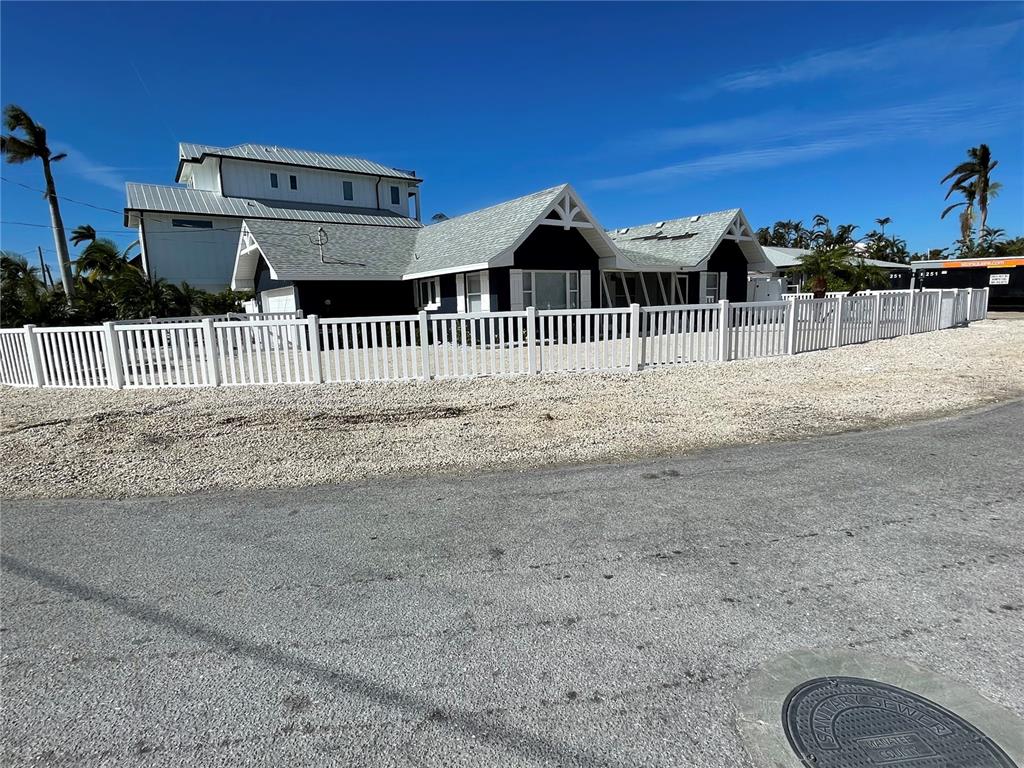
x=342, y=236
x=190, y=232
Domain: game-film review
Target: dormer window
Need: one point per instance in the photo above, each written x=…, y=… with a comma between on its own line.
x=346, y=190
x=396, y=196
x=273, y=180
x=293, y=182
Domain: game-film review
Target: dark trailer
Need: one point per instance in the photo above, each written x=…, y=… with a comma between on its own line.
x=1003, y=277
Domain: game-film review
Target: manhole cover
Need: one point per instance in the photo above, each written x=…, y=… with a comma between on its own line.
x=848, y=722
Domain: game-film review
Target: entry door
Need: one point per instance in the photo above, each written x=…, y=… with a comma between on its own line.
x=713, y=287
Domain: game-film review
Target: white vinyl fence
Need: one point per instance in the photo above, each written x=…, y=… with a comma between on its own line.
x=290, y=349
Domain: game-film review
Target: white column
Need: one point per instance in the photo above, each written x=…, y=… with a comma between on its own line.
x=424, y=345
x=531, y=340
x=634, y=338
x=723, y=330
x=112, y=348
x=210, y=342
x=316, y=368
x=35, y=360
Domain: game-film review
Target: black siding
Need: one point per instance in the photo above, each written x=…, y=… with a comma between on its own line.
x=728, y=257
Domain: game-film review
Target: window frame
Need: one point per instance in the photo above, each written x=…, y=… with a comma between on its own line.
x=273, y=180
x=396, y=195
x=192, y=223
x=479, y=293
x=293, y=182
x=433, y=293
x=572, y=295
x=348, y=190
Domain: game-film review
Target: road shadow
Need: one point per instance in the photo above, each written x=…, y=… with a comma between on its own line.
x=486, y=729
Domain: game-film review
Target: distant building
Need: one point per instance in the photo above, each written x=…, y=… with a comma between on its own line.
x=1003, y=277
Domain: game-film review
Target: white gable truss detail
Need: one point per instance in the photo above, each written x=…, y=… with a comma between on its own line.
x=739, y=229
x=568, y=214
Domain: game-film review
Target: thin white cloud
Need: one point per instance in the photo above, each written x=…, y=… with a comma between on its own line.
x=886, y=54
x=776, y=139
x=80, y=165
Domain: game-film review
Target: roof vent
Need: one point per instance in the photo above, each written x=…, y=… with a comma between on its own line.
x=624, y=230
x=694, y=218
x=660, y=224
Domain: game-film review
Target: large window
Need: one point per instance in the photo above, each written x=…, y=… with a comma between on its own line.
x=346, y=190
x=428, y=293
x=474, y=292
x=551, y=290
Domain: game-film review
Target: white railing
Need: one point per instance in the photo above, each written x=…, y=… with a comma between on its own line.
x=289, y=350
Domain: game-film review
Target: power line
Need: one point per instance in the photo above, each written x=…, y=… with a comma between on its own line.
x=60, y=197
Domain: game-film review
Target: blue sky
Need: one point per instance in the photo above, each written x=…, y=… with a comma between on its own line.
x=651, y=111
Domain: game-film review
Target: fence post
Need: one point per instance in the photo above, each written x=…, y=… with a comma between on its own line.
x=634, y=338
x=424, y=346
x=791, y=326
x=909, y=328
x=531, y=340
x=210, y=342
x=112, y=346
x=316, y=368
x=940, y=294
x=876, y=317
x=35, y=360
x=723, y=330
x=837, y=330
x=984, y=309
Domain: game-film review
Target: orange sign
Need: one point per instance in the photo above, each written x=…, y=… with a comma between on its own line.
x=987, y=263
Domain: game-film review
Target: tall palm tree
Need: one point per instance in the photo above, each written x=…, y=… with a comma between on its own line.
x=83, y=233
x=882, y=223
x=29, y=146
x=969, y=191
x=976, y=170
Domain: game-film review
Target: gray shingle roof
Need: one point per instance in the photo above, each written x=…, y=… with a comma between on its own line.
x=154, y=197
x=384, y=252
x=271, y=154
x=476, y=237
x=681, y=242
x=461, y=241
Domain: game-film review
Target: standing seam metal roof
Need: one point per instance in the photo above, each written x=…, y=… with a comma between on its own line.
x=154, y=197
x=301, y=157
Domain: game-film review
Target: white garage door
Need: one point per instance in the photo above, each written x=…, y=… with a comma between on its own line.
x=279, y=300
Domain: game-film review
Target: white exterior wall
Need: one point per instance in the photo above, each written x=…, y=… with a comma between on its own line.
x=206, y=176
x=203, y=258
x=250, y=179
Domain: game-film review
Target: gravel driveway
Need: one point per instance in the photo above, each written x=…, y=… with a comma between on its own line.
x=151, y=442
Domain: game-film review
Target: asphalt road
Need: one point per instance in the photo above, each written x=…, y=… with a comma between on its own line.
x=598, y=616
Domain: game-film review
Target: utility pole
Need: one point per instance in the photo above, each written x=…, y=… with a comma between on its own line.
x=42, y=265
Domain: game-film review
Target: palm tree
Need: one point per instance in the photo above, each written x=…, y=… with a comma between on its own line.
x=821, y=266
x=969, y=191
x=861, y=276
x=102, y=259
x=977, y=170
x=32, y=145
x=83, y=233
x=882, y=223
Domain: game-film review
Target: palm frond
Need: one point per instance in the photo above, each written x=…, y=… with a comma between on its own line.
x=17, y=150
